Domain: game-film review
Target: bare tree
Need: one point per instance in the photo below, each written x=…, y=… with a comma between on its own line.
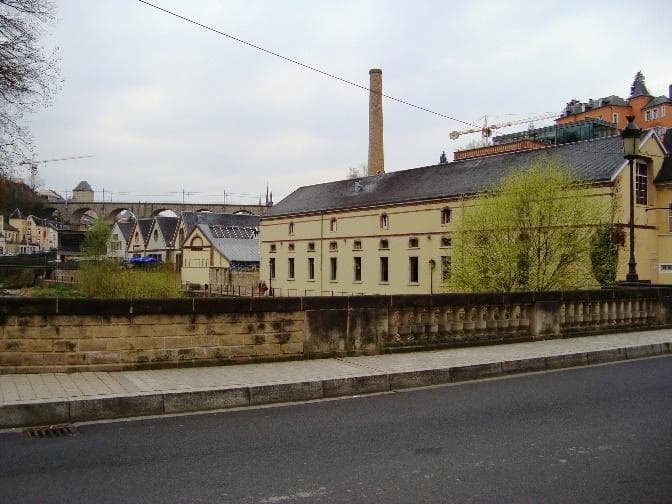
x=355, y=172
x=29, y=76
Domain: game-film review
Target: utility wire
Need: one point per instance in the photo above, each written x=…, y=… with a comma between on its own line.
x=296, y=62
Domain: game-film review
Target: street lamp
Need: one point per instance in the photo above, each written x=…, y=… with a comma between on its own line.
x=631, y=135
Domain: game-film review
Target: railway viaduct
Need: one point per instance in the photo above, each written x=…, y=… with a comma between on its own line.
x=71, y=212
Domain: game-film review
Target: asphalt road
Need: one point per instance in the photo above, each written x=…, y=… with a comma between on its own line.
x=597, y=434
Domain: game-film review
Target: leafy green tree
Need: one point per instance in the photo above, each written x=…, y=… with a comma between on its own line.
x=532, y=231
x=95, y=240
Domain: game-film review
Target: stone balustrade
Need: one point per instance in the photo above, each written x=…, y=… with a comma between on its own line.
x=84, y=334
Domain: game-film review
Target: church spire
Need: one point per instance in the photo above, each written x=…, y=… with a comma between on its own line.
x=638, y=87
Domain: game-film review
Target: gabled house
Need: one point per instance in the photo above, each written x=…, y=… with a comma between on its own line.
x=42, y=233
x=189, y=220
x=218, y=256
x=137, y=245
x=117, y=246
x=160, y=243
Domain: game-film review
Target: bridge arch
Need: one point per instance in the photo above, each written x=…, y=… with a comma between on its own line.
x=79, y=214
x=113, y=215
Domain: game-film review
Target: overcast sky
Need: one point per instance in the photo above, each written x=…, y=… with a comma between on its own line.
x=166, y=106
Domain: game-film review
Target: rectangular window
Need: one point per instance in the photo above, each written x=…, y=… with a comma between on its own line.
x=445, y=216
x=640, y=184
x=290, y=268
x=332, y=268
x=654, y=113
x=311, y=246
x=358, y=269
x=413, y=243
x=663, y=110
x=357, y=245
x=290, y=247
x=311, y=268
x=666, y=268
x=413, y=271
x=333, y=245
x=384, y=269
x=271, y=267
x=446, y=264
x=273, y=247
x=384, y=244
x=614, y=118
x=446, y=241
x=647, y=115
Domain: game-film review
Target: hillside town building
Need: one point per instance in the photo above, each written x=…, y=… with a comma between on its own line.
x=650, y=112
x=391, y=233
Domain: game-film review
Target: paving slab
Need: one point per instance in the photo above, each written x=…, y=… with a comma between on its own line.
x=39, y=399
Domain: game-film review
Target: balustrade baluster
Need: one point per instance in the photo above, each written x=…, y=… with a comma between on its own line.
x=628, y=311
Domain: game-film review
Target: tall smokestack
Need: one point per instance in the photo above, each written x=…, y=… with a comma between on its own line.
x=376, y=160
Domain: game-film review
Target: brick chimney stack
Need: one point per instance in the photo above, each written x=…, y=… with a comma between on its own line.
x=376, y=160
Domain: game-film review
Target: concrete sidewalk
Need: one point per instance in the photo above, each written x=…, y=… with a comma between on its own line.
x=54, y=398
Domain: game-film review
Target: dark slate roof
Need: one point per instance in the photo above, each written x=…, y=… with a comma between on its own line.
x=658, y=100
x=665, y=173
x=592, y=160
x=612, y=100
x=638, y=87
x=167, y=225
x=16, y=214
x=9, y=227
x=83, y=186
x=192, y=219
x=126, y=228
x=234, y=249
x=145, y=226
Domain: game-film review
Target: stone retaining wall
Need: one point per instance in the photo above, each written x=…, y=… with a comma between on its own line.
x=41, y=335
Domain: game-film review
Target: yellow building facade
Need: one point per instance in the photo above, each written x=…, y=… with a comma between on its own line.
x=391, y=233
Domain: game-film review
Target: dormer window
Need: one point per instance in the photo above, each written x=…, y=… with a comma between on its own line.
x=445, y=216
x=384, y=222
x=332, y=225
x=291, y=228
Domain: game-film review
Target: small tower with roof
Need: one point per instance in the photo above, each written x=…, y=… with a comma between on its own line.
x=83, y=192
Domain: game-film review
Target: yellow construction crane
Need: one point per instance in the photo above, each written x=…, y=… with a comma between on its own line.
x=486, y=129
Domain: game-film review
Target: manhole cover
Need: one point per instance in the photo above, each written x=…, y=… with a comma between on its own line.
x=50, y=431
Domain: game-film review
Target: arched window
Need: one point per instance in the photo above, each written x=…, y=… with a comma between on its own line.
x=445, y=216
x=156, y=235
x=196, y=243
x=332, y=225
x=291, y=228
x=384, y=222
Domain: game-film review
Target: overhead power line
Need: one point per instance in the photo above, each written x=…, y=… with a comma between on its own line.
x=299, y=63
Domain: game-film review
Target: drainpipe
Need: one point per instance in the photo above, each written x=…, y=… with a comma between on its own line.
x=321, y=248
